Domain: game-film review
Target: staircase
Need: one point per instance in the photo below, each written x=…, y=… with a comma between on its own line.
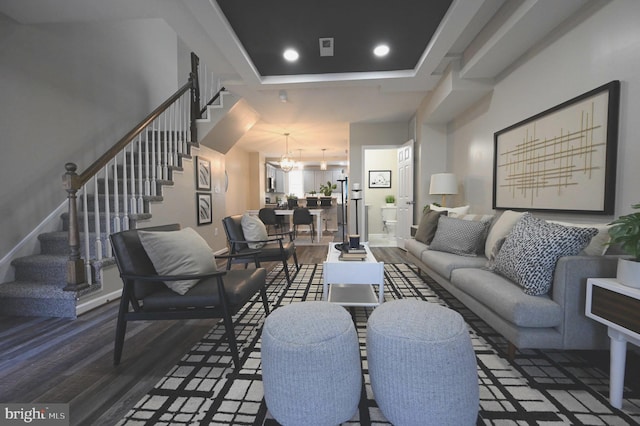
x=40, y=279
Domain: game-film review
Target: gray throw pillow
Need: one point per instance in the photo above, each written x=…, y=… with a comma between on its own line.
x=182, y=252
x=459, y=236
x=428, y=224
x=530, y=252
x=254, y=230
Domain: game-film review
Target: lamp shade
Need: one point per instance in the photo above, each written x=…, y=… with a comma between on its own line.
x=443, y=184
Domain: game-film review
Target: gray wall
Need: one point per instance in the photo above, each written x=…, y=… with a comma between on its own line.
x=370, y=134
x=594, y=49
x=68, y=92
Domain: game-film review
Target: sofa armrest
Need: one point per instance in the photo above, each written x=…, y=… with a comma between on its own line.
x=569, y=291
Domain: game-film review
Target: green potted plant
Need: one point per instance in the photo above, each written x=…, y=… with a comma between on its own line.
x=625, y=231
x=328, y=188
x=292, y=201
x=390, y=200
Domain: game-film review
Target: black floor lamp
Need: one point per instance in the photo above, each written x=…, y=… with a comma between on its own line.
x=343, y=245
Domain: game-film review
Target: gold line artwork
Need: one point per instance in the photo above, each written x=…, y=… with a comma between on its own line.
x=557, y=161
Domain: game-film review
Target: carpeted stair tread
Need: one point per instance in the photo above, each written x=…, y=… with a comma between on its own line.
x=41, y=267
x=34, y=289
x=134, y=218
x=36, y=299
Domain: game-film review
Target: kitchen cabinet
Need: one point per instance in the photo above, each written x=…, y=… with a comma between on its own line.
x=280, y=177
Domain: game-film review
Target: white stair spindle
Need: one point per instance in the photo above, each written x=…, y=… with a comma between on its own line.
x=132, y=167
x=124, y=223
x=152, y=158
x=147, y=182
x=179, y=127
x=87, y=236
x=107, y=210
x=165, y=161
x=116, y=198
x=96, y=216
x=170, y=137
x=139, y=207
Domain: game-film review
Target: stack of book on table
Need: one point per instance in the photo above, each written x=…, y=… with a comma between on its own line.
x=353, y=254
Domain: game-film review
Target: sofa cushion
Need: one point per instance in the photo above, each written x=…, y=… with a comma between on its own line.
x=529, y=253
x=415, y=247
x=428, y=224
x=599, y=244
x=471, y=216
x=463, y=237
x=507, y=299
x=443, y=263
x=182, y=252
x=450, y=210
x=254, y=230
x=500, y=229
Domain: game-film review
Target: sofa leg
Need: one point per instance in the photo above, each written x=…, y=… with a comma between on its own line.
x=511, y=351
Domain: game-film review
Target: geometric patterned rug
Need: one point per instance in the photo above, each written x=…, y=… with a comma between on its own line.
x=541, y=387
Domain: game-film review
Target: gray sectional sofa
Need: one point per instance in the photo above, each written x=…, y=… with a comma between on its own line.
x=554, y=320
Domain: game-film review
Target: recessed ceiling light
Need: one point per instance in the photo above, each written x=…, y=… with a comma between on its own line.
x=291, y=55
x=381, y=50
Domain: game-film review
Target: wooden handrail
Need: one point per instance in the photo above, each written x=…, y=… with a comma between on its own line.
x=119, y=146
x=213, y=99
x=73, y=182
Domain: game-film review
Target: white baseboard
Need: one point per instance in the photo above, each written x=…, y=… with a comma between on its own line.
x=103, y=299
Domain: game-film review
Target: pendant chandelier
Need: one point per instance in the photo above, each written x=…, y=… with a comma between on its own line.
x=286, y=163
x=323, y=163
x=300, y=163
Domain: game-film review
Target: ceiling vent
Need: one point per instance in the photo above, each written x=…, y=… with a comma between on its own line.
x=326, y=46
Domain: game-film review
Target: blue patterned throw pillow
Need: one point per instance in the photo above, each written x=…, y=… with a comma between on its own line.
x=530, y=252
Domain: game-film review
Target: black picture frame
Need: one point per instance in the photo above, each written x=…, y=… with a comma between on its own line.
x=379, y=178
x=562, y=159
x=204, y=208
x=203, y=174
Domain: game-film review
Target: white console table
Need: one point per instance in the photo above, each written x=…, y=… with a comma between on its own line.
x=618, y=307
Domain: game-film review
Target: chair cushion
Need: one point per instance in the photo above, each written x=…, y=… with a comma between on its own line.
x=254, y=230
x=182, y=252
x=240, y=285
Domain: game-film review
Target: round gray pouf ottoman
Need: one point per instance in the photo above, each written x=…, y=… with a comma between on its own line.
x=311, y=364
x=422, y=365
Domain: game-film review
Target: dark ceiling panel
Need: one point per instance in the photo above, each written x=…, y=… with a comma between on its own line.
x=266, y=28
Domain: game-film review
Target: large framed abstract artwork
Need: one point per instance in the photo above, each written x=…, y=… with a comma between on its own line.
x=563, y=159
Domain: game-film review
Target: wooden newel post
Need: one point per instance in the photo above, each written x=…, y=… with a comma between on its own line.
x=195, y=96
x=76, y=279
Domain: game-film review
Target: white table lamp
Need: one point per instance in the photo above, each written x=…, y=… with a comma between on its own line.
x=443, y=184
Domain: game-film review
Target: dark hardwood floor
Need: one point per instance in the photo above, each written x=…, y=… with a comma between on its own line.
x=53, y=360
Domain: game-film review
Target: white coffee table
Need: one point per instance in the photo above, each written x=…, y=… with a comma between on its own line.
x=351, y=282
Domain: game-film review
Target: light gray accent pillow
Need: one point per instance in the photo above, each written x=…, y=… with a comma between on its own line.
x=459, y=236
x=530, y=252
x=254, y=230
x=428, y=224
x=182, y=252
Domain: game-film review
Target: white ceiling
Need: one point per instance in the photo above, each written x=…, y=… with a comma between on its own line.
x=481, y=38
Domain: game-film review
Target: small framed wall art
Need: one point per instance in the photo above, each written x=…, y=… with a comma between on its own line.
x=379, y=178
x=204, y=208
x=203, y=174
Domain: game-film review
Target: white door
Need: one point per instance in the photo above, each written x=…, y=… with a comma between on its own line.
x=405, y=193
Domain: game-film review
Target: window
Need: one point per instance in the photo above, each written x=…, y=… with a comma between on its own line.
x=295, y=183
